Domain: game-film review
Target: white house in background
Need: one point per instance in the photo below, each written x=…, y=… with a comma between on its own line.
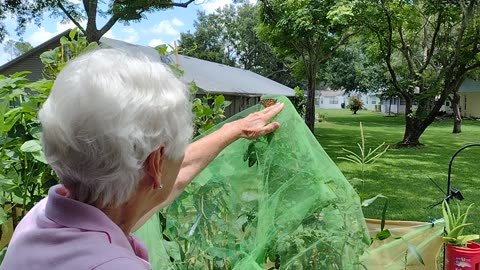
x=470, y=98
x=330, y=99
x=333, y=99
x=393, y=105
x=371, y=102
x=397, y=105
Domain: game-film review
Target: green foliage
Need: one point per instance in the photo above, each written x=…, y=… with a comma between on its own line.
x=385, y=233
x=355, y=104
x=321, y=117
x=308, y=31
x=355, y=68
x=298, y=101
x=428, y=48
x=70, y=47
x=454, y=225
x=78, y=12
x=16, y=48
x=364, y=158
x=228, y=36
x=208, y=110
x=25, y=175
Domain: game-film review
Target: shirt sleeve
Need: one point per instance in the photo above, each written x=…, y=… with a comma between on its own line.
x=121, y=264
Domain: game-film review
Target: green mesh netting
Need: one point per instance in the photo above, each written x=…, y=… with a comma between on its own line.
x=278, y=202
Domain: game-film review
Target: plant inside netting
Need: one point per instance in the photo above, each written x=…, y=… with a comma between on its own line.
x=278, y=202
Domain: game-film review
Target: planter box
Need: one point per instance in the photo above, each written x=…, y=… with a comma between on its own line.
x=462, y=258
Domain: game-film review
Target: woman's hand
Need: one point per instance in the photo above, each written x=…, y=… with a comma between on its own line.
x=256, y=124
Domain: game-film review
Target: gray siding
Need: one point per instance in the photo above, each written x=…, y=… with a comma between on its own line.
x=30, y=61
x=239, y=103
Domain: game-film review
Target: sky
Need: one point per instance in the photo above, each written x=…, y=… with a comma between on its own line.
x=161, y=27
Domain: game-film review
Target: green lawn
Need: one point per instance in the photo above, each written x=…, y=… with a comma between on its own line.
x=402, y=174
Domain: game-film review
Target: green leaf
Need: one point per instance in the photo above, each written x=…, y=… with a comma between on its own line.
x=63, y=40
x=383, y=234
x=367, y=202
x=72, y=33
x=40, y=157
x=413, y=250
x=219, y=100
x=31, y=146
x=173, y=249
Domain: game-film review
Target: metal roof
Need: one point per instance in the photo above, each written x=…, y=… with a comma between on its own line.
x=469, y=86
x=216, y=78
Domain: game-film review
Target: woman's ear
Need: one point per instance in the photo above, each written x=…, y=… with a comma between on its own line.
x=153, y=167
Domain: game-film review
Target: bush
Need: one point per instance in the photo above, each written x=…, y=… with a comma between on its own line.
x=355, y=104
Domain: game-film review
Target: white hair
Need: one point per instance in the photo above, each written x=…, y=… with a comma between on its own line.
x=107, y=111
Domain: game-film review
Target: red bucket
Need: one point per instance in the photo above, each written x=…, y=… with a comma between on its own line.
x=460, y=258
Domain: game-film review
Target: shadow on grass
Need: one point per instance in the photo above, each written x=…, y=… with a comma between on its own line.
x=403, y=174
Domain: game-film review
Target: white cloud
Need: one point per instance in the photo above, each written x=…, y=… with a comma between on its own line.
x=209, y=6
x=166, y=27
x=132, y=35
x=109, y=34
x=155, y=42
x=177, y=22
x=40, y=36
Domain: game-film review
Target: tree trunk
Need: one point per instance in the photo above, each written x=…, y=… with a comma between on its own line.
x=457, y=117
x=311, y=65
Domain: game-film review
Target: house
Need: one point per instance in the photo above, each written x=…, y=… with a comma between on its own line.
x=469, y=93
x=330, y=99
x=242, y=87
x=31, y=60
x=393, y=105
x=370, y=101
x=337, y=99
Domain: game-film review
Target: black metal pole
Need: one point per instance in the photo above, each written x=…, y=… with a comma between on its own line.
x=450, y=193
x=450, y=166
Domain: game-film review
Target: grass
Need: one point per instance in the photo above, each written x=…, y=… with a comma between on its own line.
x=403, y=174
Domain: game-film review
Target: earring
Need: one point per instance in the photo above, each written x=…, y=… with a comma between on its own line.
x=160, y=186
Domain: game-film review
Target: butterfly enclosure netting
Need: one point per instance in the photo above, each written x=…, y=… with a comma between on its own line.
x=277, y=202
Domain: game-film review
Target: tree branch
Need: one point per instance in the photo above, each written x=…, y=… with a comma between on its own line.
x=474, y=66
x=108, y=25
x=60, y=5
x=406, y=54
x=184, y=5
x=432, y=44
x=340, y=42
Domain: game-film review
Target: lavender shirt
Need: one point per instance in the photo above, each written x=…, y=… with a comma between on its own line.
x=61, y=233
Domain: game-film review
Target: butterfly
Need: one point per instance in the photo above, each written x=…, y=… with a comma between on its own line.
x=268, y=102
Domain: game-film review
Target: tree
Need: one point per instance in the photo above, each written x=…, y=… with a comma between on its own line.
x=228, y=36
x=211, y=40
x=89, y=10
x=355, y=104
x=355, y=68
x=16, y=48
x=310, y=31
x=428, y=47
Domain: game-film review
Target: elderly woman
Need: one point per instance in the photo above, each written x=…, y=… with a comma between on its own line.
x=116, y=130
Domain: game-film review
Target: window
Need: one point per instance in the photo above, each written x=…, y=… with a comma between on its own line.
x=333, y=100
x=321, y=100
x=374, y=102
x=317, y=101
x=447, y=103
